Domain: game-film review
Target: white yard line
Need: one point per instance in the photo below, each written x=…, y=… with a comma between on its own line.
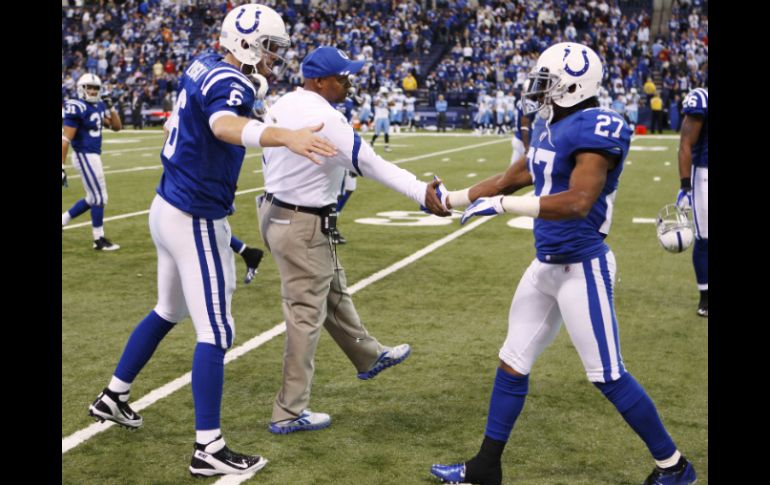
x=241, y=192
x=155, y=395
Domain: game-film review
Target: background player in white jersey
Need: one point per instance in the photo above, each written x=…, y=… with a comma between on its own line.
x=694, y=191
x=202, y=157
x=574, y=162
x=365, y=113
x=382, y=117
x=605, y=101
x=409, y=110
x=396, y=103
x=521, y=132
x=295, y=216
x=83, y=120
x=499, y=104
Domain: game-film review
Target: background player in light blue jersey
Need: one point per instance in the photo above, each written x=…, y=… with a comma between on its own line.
x=694, y=191
x=83, y=120
x=574, y=162
x=202, y=157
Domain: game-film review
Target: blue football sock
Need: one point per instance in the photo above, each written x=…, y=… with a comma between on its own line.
x=700, y=259
x=141, y=345
x=636, y=407
x=507, y=401
x=80, y=207
x=97, y=216
x=208, y=377
x=236, y=244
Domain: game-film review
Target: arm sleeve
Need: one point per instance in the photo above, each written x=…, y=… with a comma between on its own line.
x=227, y=93
x=696, y=103
x=72, y=114
x=595, y=134
x=357, y=155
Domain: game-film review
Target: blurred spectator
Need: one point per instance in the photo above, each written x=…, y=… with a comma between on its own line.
x=409, y=83
x=441, y=107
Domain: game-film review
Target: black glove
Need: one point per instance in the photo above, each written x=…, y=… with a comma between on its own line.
x=64, y=178
x=107, y=100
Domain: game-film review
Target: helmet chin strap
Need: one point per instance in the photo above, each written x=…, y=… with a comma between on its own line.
x=262, y=82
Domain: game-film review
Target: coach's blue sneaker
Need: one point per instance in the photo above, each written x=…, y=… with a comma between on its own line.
x=216, y=458
x=458, y=473
x=682, y=473
x=449, y=473
x=307, y=421
x=389, y=358
x=104, y=244
x=114, y=407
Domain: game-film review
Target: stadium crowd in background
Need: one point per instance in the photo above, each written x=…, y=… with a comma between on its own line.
x=461, y=49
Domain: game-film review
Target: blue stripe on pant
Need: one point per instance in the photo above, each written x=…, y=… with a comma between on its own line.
x=597, y=321
x=206, y=274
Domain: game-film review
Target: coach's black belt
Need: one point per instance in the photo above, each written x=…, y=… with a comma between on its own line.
x=319, y=211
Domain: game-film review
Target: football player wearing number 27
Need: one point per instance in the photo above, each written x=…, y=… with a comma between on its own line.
x=574, y=161
x=202, y=157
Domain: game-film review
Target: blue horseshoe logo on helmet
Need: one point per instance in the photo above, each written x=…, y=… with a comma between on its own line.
x=251, y=29
x=582, y=70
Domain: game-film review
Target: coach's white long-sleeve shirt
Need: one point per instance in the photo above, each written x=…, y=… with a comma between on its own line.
x=296, y=180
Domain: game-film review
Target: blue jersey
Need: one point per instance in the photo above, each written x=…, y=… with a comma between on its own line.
x=550, y=161
x=696, y=103
x=200, y=171
x=88, y=118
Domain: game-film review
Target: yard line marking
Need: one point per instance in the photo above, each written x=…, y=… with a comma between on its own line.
x=124, y=170
x=80, y=436
x=241, y=192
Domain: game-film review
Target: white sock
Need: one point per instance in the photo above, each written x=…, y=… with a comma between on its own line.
x=97, y=232
x=669, y=462
x=65, y=218
x=206, y=436
x=116, y=385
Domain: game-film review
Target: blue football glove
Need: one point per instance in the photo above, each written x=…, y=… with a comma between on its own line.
x=483, y=206
x=684, y=199
x=442, y=193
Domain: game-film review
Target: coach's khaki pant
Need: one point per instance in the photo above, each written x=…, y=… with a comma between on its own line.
x=313, y=294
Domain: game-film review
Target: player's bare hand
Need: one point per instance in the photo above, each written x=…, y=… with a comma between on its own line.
x=305, y=142
x=432, y=201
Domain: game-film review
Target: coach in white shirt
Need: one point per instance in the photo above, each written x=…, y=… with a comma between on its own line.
x=295, y=214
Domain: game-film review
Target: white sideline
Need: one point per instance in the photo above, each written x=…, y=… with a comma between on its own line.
x=84, y=434
x=241, y=192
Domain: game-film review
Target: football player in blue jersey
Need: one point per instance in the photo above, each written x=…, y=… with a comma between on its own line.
x=574, y=161
x=202, y=157
x=694, y=191
x=83, y=120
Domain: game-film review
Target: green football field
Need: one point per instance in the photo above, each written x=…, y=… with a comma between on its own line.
x=450, y=302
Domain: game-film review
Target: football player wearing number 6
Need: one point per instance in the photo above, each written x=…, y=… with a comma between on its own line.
x=202, y=157
x=574, y=161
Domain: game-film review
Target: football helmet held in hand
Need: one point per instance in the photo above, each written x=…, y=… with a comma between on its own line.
x=675, y=228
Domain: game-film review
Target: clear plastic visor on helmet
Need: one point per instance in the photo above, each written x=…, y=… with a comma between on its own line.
x=541, y=85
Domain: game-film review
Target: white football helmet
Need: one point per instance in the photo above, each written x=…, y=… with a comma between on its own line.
x=565, y=74
x=254, y=32
x=90, y=80
x=675, y=228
